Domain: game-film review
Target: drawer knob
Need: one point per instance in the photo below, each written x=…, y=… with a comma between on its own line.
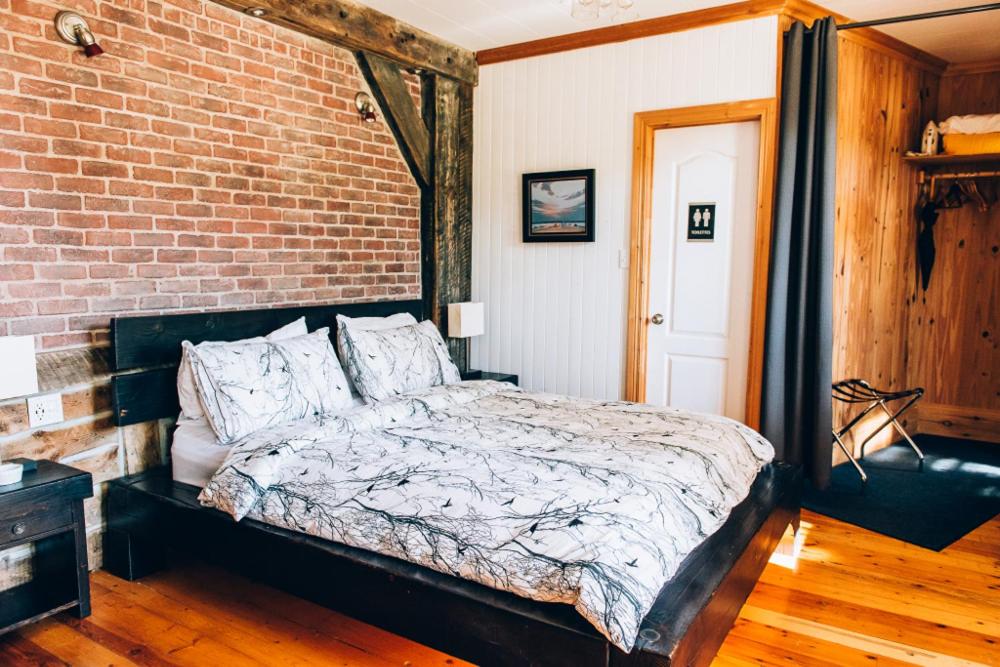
x=20, y=528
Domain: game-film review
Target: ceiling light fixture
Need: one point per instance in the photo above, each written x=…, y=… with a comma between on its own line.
x=257, y=12
x=595, y=9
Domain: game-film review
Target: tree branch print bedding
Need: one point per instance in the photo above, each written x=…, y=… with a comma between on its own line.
x=557, y=499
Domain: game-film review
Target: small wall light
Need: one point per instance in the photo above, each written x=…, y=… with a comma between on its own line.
x=366, y=108
x=74, y=30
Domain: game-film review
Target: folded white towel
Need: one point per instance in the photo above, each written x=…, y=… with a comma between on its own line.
x=972, y=124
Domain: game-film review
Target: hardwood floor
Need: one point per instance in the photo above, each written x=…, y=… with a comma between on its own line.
x=855, y=598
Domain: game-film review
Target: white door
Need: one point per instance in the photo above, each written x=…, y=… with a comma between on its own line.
x=704, y=178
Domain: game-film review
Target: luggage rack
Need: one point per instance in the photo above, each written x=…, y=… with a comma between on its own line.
x=857, y=391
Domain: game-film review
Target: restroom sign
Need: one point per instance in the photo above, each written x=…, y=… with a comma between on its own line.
x=701, y=222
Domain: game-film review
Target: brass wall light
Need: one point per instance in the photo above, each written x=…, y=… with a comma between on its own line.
x=74, y=30
x=366, y=108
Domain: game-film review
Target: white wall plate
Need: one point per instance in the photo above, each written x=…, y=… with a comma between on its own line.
x=45, y=409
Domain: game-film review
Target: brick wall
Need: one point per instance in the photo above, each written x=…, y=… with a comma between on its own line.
x=207, y=160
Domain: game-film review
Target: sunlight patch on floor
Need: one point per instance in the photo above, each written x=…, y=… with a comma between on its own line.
x=790, y=548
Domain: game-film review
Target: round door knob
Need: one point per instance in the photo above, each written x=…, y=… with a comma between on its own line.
x=656, y=319
x=20, y=528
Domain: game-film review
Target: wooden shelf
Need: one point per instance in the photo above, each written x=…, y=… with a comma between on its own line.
x=932, y=160
x=31, y=602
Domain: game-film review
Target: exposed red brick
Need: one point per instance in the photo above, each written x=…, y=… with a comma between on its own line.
x=210, y=161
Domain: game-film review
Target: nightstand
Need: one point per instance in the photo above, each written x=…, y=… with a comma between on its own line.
x=483, y=375
x=46, y=508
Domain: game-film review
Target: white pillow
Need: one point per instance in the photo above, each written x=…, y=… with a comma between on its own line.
x=293, y=329
x=393, y=321
x=370, y=324
x=388, y=362
x=187, y=391
x=249, y=386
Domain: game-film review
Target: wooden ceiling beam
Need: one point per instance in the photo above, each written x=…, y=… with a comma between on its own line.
x=401, y=112
x=360, y=28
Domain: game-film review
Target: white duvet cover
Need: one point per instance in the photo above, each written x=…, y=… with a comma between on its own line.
x=558, y=499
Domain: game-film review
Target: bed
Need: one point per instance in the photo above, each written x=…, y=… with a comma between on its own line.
x=154, y=514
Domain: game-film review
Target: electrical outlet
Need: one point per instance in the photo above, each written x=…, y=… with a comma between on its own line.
x=45, y=409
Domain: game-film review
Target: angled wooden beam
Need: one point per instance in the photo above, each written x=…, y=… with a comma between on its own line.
x=401, y=112
x=359, y=28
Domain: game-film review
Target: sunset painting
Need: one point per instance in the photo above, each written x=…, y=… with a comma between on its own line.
x=559, y=206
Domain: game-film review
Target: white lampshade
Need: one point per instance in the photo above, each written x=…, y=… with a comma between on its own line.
x=17, y=358
x=466, y=320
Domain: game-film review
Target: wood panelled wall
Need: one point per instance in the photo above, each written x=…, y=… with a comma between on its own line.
x=955, y=325
x=884, y=99
x=887, y=329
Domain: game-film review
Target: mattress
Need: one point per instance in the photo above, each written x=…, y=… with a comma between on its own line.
x=195, y=453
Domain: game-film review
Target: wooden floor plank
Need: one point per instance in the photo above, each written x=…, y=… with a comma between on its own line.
x=73, y=647
x=853, y=598
x=874, y=622
x=261, y=613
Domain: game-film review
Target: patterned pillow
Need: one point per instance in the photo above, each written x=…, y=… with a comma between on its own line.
x=386, y=363
x=368, y=324
x=187, y=390
x=244, y=388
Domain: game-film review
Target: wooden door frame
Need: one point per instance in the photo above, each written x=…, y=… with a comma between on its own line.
x=646, y=124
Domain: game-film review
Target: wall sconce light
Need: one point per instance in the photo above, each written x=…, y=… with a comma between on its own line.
x=74, y=30
x=366, y=108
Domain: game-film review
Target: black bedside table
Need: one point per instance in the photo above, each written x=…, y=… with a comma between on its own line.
x=483, y=375
x=46, y=508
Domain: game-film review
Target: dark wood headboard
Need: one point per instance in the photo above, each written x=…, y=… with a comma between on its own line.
x=146, y=350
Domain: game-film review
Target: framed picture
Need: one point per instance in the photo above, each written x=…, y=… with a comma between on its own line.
x=558, y=206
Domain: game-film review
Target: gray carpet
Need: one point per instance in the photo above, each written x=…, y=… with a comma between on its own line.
x=956, y=491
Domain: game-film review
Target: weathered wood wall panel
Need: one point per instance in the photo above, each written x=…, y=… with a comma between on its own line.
x=954, y=329
x=85, y=438
x=884, y=101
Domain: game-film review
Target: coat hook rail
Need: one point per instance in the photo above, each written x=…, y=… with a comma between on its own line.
x=954, y=176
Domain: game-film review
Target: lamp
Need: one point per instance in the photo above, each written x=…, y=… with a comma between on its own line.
x=466, y=320
x=74, y=30
x=17, y=357
x=366, y=108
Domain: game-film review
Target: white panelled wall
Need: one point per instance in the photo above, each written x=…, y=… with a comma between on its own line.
x=555, y=312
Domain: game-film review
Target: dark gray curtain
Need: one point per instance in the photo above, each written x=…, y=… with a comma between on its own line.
x=796, y=404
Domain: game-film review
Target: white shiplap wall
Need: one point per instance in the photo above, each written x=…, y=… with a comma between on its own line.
x=555, y=312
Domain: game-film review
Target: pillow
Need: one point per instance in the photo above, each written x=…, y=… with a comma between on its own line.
x=249, y=386
x=187, y=392
x=388, y=362
x=368, y=324
x=293, y=329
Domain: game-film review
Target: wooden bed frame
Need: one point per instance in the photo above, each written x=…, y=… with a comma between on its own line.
x=151, y=517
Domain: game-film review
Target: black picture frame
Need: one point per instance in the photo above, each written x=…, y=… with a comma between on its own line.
x=539, y=228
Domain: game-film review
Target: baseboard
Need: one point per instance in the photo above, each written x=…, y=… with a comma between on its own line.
x=955, y=421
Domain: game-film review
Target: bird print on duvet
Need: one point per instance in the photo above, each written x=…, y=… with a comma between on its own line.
x=557, y=499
